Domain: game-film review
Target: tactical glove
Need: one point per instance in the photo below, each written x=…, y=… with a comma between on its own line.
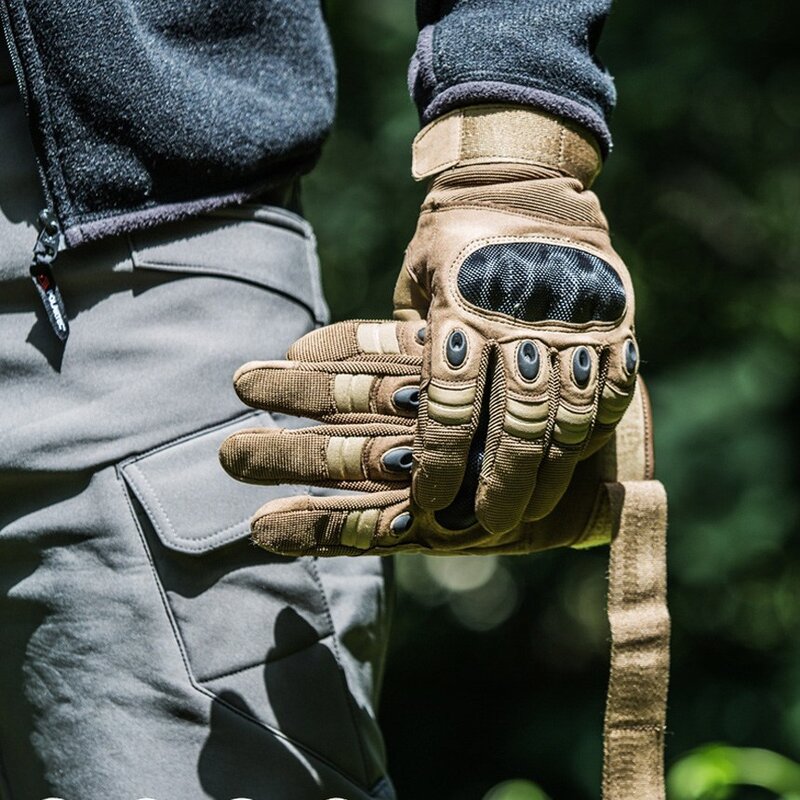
x=529, y=345
x=527, y=360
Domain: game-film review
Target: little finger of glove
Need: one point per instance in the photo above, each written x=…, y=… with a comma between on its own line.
x=377, y=523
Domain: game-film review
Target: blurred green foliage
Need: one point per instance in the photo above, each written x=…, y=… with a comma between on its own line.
x=498, y=670
x=714, y=773
x=516, y=790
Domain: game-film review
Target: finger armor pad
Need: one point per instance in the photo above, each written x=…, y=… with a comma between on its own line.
x=351, y=393
x=378, y=337
x=344, y=457
x=528, y=360
x=451, y=405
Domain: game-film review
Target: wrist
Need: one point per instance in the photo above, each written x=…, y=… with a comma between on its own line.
x=495, y=134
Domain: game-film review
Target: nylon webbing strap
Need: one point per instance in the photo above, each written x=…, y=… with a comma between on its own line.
x=633, y=767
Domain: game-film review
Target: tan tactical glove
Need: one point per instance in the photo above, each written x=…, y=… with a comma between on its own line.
x=527, y=360
x=361, y=380
x=529, y=311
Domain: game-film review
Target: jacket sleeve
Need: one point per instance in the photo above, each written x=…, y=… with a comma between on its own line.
x=529, y=52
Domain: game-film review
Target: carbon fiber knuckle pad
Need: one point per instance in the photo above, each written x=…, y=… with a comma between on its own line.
x=536, y=281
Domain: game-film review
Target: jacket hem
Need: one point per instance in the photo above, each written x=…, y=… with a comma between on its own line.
x=83, y=232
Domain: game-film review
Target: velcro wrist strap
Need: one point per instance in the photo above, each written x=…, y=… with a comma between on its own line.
x=518, y=134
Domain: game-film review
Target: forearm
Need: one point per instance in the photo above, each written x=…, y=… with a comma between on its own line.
x=536, y=52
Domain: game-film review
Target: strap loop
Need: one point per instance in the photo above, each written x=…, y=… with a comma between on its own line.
x=633, y=767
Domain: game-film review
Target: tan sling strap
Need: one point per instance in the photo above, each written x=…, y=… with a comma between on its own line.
x=633, y=767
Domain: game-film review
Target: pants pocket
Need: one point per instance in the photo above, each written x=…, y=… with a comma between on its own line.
x=264, y=246
x=255, y=630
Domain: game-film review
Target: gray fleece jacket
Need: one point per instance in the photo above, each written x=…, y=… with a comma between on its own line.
x=143, y=111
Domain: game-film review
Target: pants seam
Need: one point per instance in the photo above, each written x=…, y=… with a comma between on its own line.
x=246, y=667
x=338, y=656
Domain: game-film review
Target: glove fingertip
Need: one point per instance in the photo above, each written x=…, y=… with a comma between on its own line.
x=282, y=526
x=236, y=453
x=227, y=455
x=255, y=366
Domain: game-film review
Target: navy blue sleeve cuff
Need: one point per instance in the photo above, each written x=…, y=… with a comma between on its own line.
x=537, y=52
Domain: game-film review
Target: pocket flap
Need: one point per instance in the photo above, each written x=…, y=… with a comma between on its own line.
x=192, y=503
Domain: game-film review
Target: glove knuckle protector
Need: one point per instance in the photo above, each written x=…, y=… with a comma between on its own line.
x=529, y=311
x=512, y=358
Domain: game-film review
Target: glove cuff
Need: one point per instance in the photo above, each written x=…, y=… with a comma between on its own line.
x=502, y=133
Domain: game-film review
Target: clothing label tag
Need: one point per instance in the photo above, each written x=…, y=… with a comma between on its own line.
x=51, y=298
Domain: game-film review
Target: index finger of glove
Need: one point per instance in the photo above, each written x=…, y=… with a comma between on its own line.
x=449, y=410
x=580, y=373
x=339, y=392
x=362, y=340
x=341, y=373
x=521, y=404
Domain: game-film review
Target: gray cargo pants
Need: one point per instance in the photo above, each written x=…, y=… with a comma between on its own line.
x=147, y=649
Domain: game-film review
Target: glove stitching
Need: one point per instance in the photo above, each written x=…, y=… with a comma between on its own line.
x=365, y=485
x=493, y=384
x=373, y=394
x=332, y=407
x=366, y=452
x=554, y=390
x=445, y=384
x=368, y=418
x=381, y=369
x=602, y=373
x=526, y=397
x=476, y=244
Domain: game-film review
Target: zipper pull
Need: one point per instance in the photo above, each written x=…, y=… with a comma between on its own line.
x=44, y=254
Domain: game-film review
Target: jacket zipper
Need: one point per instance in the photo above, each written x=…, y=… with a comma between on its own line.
x=44, y=254
x=49, y=239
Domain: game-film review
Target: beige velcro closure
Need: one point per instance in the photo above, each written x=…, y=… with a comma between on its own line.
x=492, y=133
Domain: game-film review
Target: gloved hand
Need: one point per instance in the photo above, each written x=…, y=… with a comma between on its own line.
x=361, y=379
x=529, y=340
x=527, y=360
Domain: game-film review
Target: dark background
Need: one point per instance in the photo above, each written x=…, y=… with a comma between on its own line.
x=497, y=668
